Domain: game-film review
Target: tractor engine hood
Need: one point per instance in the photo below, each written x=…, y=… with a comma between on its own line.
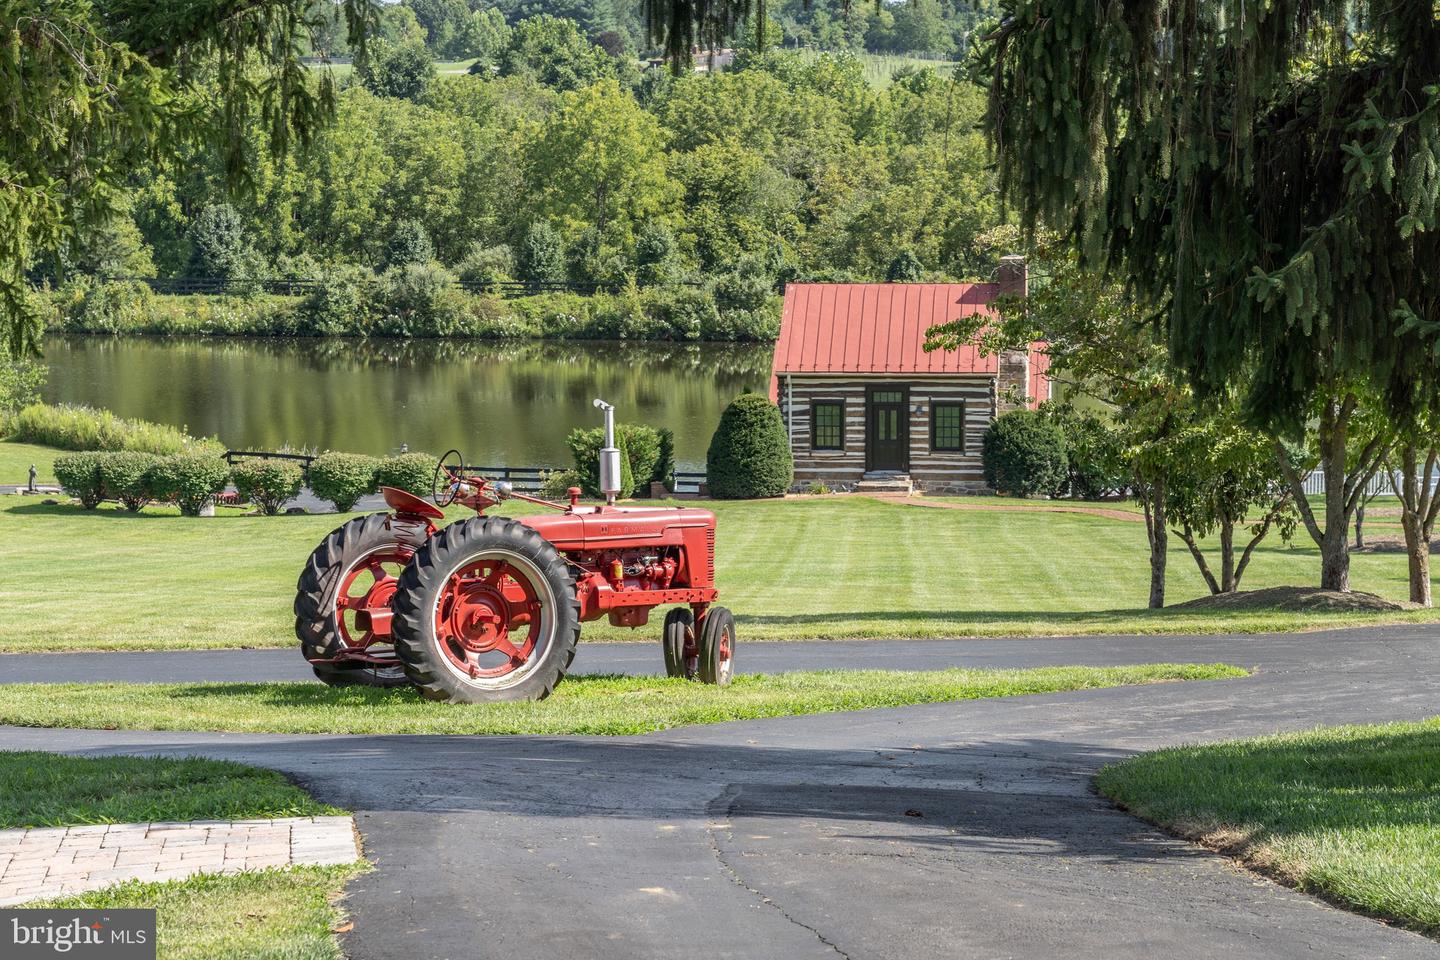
x=620, y=527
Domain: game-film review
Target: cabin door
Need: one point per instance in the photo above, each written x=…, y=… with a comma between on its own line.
x=887, y=429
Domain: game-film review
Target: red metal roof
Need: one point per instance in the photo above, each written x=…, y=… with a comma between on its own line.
x=877, y=327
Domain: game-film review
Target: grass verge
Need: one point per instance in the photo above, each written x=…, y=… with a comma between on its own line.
x=49, y=790
x=1351, y=814
x=605, y=705
x=279, y=914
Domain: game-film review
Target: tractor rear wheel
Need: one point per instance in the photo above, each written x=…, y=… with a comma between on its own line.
x=717, y=646
x=680, y=634
x=355, y=567
x=486, y=611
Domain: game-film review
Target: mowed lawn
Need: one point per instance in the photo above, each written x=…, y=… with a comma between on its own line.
x=823, y=567
x=1348, y=813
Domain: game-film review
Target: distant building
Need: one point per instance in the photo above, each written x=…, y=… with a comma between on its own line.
x=866, y=407
x=702, y=60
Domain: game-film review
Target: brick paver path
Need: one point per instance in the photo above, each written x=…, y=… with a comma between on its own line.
x=56, y=861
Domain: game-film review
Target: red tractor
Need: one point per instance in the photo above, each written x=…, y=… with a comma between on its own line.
x=490, y=608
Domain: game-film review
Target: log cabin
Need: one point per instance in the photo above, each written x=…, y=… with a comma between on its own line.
x=866, y=408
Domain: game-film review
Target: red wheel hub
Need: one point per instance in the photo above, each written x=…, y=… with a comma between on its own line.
x=370, y=583
x=488, y=620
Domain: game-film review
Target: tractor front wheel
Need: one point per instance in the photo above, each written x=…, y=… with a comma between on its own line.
x=717, y=646
x=678, y=643
x=486, y=611
x=353, y=569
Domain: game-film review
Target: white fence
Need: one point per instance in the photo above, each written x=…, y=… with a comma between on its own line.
x=1379, y=485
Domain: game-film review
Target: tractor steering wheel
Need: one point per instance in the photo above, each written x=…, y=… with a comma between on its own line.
x=452, y=471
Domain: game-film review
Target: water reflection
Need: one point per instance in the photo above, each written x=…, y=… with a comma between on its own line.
x=510, y=403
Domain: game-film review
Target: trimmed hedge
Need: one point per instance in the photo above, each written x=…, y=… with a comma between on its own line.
x=411, y=472
x=190, y=480
x=79, y=476
x=1024, y=455
x=343, y=478
x=749, y=454
x=127, y=476
x=267, y=483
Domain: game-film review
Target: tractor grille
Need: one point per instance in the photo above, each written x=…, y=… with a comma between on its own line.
x=710, y=548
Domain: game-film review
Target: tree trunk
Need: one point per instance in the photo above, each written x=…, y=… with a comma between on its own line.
x=1335, y=542
x=1360, y=527
x=1159, y=541
x=1188, y=536
x=1227, y=555
x=1417, y=549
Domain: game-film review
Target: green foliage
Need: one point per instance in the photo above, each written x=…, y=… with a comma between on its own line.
x=409, y=243
x=105, y=306
x=640, y=456
x=127, y=476
x=218, y=246
x=411, y=472
x=79, y=476
x=418, y=300
x=343, y=478
x=69, y=427
x=656, y=256
x=339, y=305
x=665, y=463
x=905, y=268
x=404, y=70
x=267, y=483
x=20, y=383
x=541, y=258
x=1024, y=455
x=1094, y=452
x=189, y=480
x=749, y=455
x=487, y=265
x=555, y=484
x=1306, y=268
x=552, y=52
x=94, y=93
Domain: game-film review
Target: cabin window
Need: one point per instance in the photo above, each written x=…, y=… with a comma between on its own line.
x=947, y=427
x=827, y=425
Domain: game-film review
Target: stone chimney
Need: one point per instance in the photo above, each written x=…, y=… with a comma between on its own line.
x=1012, y=383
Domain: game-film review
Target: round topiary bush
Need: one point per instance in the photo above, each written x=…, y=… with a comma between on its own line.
x=125, y=475
x=267, y=483
x=749, y=454
x=411, y=472
x=1024, y=454
x=79, y=476
x=343, y=478
x=190, y=480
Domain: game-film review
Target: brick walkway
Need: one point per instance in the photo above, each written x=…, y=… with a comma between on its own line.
x=57, y=861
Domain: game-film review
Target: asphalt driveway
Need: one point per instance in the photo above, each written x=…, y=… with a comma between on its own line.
x=945, y=830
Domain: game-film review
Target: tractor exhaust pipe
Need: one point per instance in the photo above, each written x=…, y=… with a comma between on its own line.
x=609, y=456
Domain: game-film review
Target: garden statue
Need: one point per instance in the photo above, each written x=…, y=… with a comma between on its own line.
x=31, y=487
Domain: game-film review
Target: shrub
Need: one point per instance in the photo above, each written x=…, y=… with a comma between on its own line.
x=639, y=456
x=85, y=428
x=541, y=255
x=683, y=313
x=1024, y=454
x=267, y=483
x=190, y=480
x=343, y=478
x=419, y=300
x=555, y=485
x=665, y=463
x=79, y=476
x=487, y=265
x=905, y=268
x=110, y=306
x=218, y=246
x=20, y=383
x=336, y=306
x=656, y=256
x=1095, y=454
x=409, y=243
x=411, y=472
x=749, y=455
x=126, y=476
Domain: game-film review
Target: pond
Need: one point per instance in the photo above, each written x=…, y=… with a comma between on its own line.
x=500, y=403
